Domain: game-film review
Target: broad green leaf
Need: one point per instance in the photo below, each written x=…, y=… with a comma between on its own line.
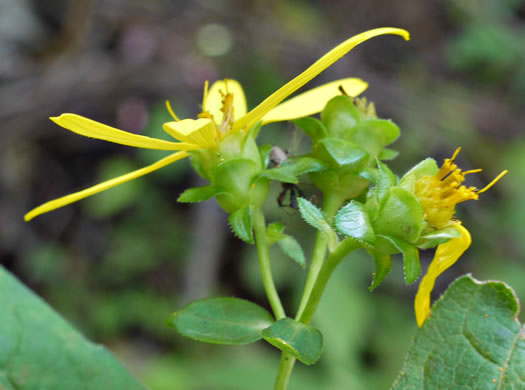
x=301, y=340
x=199, y=194
x=387, y=154
x=353, y=221
x=401, y=216
x=41, y=351
x=385, y=180
x=221, y=321
x=411, y=264
x=313, y=127
x=292, y=249
x=472, y=340
x=283, y=174
x=315, y=217
x=242, y=224
x=345, y=153
x=383, y=264
x=438, y=237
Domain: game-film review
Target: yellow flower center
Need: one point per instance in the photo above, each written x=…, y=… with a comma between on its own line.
x=439, y=194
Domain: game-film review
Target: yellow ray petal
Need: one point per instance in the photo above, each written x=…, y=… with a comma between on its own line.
x=201, y=132
x=65, y=200
x=90, y=128
x=314, y=100
x=317, y=67
x=214, y=102
x=446, y=255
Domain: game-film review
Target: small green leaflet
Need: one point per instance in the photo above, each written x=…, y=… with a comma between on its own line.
x=242, y=224
x=302, y=341
x=315, y=217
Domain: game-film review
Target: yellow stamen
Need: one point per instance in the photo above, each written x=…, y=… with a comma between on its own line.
x=493, y=182
x=205, y=96
x=439, y=194
x=455, y=153
x=472, y=171
x=170, y=110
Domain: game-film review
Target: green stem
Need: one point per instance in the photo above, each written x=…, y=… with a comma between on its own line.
x=285, y=371
x=263, y=255
x=332, y=261
x=331, y=204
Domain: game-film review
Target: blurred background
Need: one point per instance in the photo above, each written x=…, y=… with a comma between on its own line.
x=118, y=264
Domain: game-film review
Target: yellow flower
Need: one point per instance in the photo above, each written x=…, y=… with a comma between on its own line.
x=438, y=195
x=223, y=112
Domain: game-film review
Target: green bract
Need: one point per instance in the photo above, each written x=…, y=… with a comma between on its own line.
x=392, y=221
x=348, y=140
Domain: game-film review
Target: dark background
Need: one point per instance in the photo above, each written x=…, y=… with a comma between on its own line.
x=117, y=264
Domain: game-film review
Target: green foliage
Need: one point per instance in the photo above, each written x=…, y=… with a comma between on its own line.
x=199, y=194
x=222, y=321
x=401, y=216
x=353, y=221
x=288, y=244
x=39, y=350
x=301, y=340
x=241, y=223
x=383, y=264
x=315, y=217
x=292, y=249
x=472, y=340
x=411, y=265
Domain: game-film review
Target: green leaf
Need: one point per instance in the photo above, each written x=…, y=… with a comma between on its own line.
x=283, y=174
x=221, y=321
x=292, y=249
x=472, y=340
x=339, y=116
x=242, y=224
x=438, y=237
x=301, y=340
x=303, y=165
x=376, y=132
x=387, y=154
x=274, y=232
x=411, y=264
x=401, y=216
x=385, y=180
x=39, y=350
x=353, y=221
x=199, y=194
x=313, y=127
x=315, y=217
x=345, y=153
x=383, y=264
x=264, y=151
x=427, y=167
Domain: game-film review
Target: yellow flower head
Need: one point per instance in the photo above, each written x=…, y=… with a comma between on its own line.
x=439, y=194
x=223, y=112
